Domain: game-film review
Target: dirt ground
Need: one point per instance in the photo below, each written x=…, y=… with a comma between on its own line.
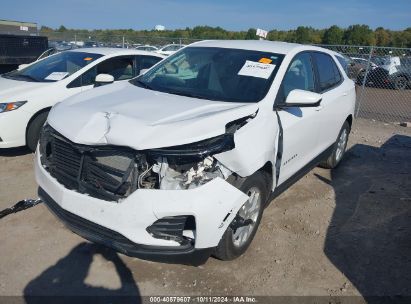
x=345, y=232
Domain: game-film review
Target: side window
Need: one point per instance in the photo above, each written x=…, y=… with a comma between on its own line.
x=120, y=68
x=344, y=63
x=328, y=73
x=85, y=79
x=337, y=74
x=146, y=62
x=298, y=76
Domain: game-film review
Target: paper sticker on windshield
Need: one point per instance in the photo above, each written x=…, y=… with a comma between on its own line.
x=56, y=76
x=265, y=60
x=257, y=69
x=88, y=59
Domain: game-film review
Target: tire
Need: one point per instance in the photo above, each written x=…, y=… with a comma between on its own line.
x=33, y=130
x=229, y=247
x=339, y=148
x=400, y=83
x=360, y=77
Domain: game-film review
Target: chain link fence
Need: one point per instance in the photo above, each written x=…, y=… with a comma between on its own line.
x=68, y=40
x=382, y=74
x=383, y=79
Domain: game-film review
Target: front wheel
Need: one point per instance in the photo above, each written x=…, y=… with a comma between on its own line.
x=33, y=130
x=338, y=148
x=239, y=235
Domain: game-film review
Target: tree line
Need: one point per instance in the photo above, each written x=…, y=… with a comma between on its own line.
x=353, y=35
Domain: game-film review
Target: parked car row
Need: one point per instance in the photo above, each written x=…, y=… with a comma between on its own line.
x=177, y=162
x=386, y=72
x=164, y=50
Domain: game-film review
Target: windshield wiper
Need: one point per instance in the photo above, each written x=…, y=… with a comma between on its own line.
x=30, y=77
x=20, y=76
x=193, y=95
x=143, y=84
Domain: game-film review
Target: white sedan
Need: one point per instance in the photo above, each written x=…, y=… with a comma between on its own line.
x=170, y=49
x=27, y=95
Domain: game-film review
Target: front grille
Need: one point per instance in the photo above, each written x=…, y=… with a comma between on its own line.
x=65, y=163
x=108, y=173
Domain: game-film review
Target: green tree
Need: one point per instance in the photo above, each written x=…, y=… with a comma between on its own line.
x=303, y=34
x=382, y=37
x=333, y=35
x=359, y=35
x=251, y=34
x=62, y=28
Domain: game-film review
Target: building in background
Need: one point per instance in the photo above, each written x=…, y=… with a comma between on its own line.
x=18, y=28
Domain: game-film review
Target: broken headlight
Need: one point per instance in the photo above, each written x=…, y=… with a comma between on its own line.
x=191, y=165
x=196, y=151
x=174, y=176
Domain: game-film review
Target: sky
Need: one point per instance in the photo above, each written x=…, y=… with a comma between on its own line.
x=229, y=14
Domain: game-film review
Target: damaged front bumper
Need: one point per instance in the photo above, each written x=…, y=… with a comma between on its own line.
x=127, y=226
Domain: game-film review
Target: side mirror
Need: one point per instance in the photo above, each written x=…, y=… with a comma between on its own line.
x=143, y=71
x=22, y=66
x=102, y=79
x=302, y=98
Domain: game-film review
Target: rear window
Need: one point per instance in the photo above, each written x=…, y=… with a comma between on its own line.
x=329, y=75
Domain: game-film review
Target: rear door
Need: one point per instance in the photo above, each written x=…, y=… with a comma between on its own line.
x=335, y=98
x=299, y=124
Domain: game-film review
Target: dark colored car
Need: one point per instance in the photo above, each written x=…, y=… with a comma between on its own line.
x=397, y=77
x=18, y=49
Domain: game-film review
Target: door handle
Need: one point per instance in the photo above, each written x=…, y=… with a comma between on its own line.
x=319, y=108
x=345, y=94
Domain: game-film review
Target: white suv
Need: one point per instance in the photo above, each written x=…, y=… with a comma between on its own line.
x=182, y=160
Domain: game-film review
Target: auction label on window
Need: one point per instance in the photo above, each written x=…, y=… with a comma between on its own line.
x=56, y=76
x=256, y=69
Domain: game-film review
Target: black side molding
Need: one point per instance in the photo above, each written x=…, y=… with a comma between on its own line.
x=300, y=173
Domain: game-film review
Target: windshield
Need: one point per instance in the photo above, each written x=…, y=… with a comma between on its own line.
x=232, y=75
x=54, y=68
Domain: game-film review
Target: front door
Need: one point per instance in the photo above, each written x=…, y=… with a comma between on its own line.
x=300, y=124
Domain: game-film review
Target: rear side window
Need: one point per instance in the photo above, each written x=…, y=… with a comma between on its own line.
x=328, y=73
x=344, y=63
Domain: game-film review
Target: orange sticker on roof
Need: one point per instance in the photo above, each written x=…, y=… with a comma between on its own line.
x=265, y=60
x=88, y=59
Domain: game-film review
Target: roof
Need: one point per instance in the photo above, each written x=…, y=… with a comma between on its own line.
x=117, y=51
x=257, y=45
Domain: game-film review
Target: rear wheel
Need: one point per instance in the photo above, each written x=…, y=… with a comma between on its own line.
x=338, y=148
x=239, y=235
x=33, y=130
x=400, y=83
x=360, y=77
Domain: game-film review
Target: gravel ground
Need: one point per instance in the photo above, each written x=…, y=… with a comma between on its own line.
x=345, y=232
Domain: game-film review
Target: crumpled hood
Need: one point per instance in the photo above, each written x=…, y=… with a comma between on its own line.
x=11, y=89
x=126, y=115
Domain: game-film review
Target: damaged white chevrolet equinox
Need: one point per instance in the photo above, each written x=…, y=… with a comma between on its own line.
x=180, y=162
